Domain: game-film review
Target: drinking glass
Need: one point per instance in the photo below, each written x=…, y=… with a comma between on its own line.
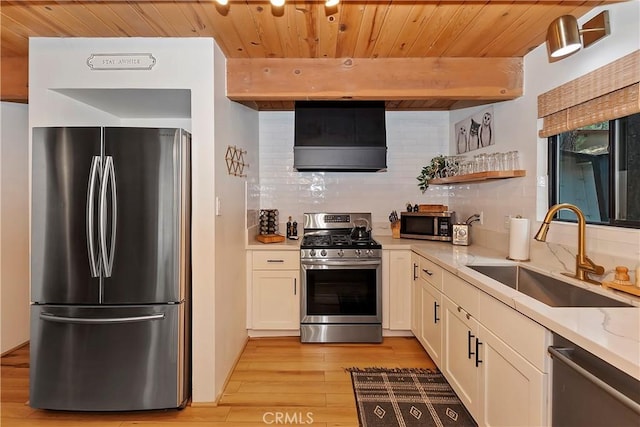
x=514, y=160
x=504, y=161
x=493, y=162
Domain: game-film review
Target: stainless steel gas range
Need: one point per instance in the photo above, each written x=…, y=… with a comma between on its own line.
x=341, y=292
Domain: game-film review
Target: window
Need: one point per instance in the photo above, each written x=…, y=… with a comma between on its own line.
x=597, y=168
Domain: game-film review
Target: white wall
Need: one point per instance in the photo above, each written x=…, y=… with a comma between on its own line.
x=517, y=129
x=413, y=138
x=14, y=225
x=61, y=64
x=235, y=125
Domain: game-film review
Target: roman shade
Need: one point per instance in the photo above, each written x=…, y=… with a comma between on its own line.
x=609, y=92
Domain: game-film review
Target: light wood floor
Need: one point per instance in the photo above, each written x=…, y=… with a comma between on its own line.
x=274, y=377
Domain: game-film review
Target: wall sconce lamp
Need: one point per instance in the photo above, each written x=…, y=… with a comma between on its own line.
x=563, y=35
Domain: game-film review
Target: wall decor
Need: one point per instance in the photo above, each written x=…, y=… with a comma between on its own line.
x=235, y=161
x=121, y=61
x=477, y=131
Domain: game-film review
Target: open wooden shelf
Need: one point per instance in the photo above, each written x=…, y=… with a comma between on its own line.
x=478, y=176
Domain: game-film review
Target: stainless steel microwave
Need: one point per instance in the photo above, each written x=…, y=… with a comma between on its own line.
x=427, y=225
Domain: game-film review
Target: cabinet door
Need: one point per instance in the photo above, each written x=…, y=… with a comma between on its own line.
x=431, y=338
x=275, y=298
x=400, y=290
x=514, y=390
x=458, y=355
x=416, y=298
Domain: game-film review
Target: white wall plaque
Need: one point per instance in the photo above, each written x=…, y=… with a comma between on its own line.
x=121, y=61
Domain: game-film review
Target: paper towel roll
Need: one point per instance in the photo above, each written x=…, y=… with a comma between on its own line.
x=519, y=239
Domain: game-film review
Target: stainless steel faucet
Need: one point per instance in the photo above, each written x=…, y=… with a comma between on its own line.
x=584, y=265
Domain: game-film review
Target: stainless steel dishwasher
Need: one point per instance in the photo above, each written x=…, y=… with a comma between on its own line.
x=587, y=391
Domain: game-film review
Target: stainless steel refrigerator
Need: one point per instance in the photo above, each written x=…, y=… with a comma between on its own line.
x=110, y=268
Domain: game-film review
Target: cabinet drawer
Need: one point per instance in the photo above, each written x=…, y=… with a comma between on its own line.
x=276, y=260
x=461, y=293
x=431, y=272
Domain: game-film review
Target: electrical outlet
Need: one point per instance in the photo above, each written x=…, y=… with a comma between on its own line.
x=507, y=221
x=218, y=207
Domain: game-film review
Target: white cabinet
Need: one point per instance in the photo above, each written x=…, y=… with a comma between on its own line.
x=400, y=281
x=275, y=290
x=461, y=358
x=426, y=314
x=431, y=319
x=416, y=298
x=494, y=357
x=514, y=376
x=514, y=389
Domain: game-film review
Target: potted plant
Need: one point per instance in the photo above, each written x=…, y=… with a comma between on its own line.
x=430, y=171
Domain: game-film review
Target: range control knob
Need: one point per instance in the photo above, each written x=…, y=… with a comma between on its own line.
x=323, y=252
x=340, y=253
x=369, y=252
x=312, y=252
x=358, y=252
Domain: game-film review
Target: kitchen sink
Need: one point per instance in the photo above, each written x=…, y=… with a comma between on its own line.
x=546, y=289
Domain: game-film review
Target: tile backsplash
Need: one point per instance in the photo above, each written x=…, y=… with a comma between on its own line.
x=413, y=138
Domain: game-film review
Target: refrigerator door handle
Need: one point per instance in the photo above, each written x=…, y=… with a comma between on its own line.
x=95, y=173
x=109, y=177
x=109, y=320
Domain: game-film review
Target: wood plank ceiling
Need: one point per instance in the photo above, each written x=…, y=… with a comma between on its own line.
x=375, y=34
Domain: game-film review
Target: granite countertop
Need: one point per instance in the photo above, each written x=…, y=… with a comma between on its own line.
x=611, y=333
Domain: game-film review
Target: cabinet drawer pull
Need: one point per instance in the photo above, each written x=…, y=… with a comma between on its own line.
x=415, y=271
x=275, y=260
x=468, y=316
x=295, y=286
x=435, y=312
x=478, y=344
x=470, y=336
x=427, y=271
x=459, y=309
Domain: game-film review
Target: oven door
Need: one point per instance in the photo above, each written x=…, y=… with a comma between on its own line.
x=338, y=292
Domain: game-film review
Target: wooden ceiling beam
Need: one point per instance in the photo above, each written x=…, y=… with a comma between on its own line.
x=14, y=72
x=285, y=79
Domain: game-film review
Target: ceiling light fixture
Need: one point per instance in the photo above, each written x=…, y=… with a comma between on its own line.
x=331, y=3
x=563, y=35
x=222, y=2
x=277, y=3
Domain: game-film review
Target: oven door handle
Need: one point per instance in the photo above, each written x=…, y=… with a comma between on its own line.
x=355, y=264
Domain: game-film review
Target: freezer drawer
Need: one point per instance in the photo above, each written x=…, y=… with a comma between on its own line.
x=101, y=358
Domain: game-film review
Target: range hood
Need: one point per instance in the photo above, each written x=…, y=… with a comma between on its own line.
x=340, y=136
